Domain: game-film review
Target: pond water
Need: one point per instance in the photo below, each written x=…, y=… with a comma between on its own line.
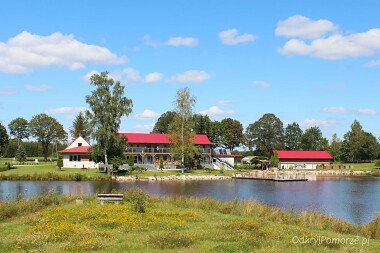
x=356, y=199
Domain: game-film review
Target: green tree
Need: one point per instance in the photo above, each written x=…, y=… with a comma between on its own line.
x=369, y=147
x=181, y=138
x=232, y=135
x=216, y=133
x=163, y=122
x=80, y=127
x=292, y=136
x=60, y=162
x=161, y=164
x=46, y=129
x=131, y=160
x=274, y=160
x=108, y=105
x=18, y=128
x=353, y=141
x=4, y=138
x=21, y=154
x=311, y=139
x=335, y=147
x=117, y=161
x=202, y=124
x=265, y=135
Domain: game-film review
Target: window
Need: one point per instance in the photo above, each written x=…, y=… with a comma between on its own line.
x=79, y=158
x=135, y=160
x=137, y=145
x=79, y=144
x=75, y=158
x=71, y=158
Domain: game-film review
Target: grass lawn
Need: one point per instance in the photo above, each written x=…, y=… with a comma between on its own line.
x=179, y=224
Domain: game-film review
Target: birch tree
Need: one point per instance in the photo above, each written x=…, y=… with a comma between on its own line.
x=107, y=105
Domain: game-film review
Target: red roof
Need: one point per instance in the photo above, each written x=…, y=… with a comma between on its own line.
x=76, y=150
x=160, y=139
x=288, y=154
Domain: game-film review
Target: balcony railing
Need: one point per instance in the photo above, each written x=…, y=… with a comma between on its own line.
x=136, y=150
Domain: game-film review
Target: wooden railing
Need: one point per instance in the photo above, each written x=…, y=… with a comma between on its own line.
x=139, y=150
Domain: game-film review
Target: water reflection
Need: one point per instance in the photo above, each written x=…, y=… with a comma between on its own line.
x=356, y=199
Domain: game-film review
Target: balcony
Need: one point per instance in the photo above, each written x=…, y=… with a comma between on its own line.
x=135, y=150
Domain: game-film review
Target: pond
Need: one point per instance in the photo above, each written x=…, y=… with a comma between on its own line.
x=356, y=199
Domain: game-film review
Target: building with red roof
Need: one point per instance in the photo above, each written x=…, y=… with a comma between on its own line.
x=150, y=148
x=290, y=159
x=78, y=154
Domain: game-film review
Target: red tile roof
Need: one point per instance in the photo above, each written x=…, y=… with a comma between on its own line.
x=160, y=139
x=76, y=150
x=288, y=154
x=235, y=156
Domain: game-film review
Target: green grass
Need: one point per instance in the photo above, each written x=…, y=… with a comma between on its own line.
x=51, y=172
x=179, y=224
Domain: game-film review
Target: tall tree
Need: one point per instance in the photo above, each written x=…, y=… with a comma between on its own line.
x=4, y=138
x=163, y=122
x=46, y=129
x=353, y=141
x=292, y=136
x=232, y=136
x=311, y=139
x=80, y=127
x=335, y=147
x=202, y=124
x=216, y=135
x=369, y=147
x=181, y=137
x=265, y=135
x=108, y=105
x=21, y=153
x=18, y=128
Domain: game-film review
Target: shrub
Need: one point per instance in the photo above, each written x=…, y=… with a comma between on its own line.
x=376, y=173
x=131, y=160
x=221, y=170
x=161, y=164
x=138, y=168
x=138, y=199
x=101, y=168
x=78, y=177
x=60, y=162
x=21, y=154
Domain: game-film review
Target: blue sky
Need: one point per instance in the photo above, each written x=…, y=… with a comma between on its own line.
x=313, y=62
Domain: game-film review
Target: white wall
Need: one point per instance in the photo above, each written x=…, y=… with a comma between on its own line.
x=75, y=164
x=78, y=140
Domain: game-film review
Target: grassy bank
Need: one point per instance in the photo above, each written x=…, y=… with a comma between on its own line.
x=51, y=172
x=173, y=224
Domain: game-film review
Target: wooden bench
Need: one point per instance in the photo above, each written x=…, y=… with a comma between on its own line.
x=116, y=198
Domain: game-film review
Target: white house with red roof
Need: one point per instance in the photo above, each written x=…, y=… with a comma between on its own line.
x=150, y=148
x=78, y=155
x=289, y=159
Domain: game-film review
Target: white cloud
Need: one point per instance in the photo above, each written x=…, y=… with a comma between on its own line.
x=191, y=76
x=142, y=128
x=334, y=86
x=182, y=41
x=146, y=115
x=323, y=123
x=303, y=27
x=87, y=77
x=215, y=112
x=130, y=74
x=372, y=64
x=150, y=42
x=42, y=87
x=367, y=112
x=69, y=118
x=227, y=102
x=26, y=52
x=336, y=46
x=231, y=37
x=8, y=92
x=261, y=84
x=336, y=110
x=153, y=77
x=66, y=110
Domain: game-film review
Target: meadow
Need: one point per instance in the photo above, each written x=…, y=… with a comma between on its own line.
x=171, y=224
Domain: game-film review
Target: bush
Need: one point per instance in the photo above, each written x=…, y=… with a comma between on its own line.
x=377, y=163
x=138, y=169
x=221, y=170
x=101, y=168
x=138, y=199
x=376, y=173
x=131, y=160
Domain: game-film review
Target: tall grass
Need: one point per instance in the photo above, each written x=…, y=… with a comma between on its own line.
x=22, y=206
